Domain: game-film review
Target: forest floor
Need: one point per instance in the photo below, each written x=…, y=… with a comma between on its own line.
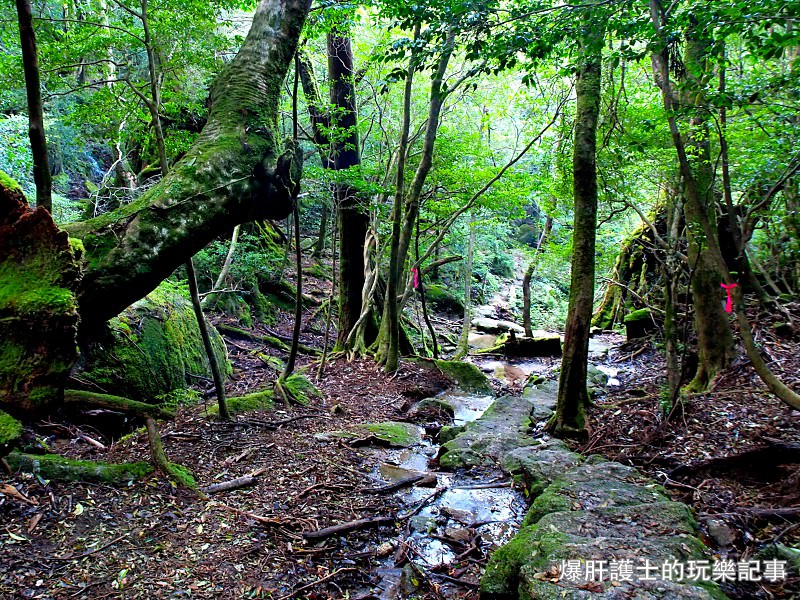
x=732, y=454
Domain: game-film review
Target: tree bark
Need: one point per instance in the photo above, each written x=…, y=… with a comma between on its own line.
x=569, y=419
x=526, y=279
x=234, y=173
x=353, y=220
x=463, y=340
x=30, y=63
x=714, y=339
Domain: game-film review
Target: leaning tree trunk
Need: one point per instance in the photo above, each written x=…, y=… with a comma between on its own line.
x=235, y=172
x=572, y=394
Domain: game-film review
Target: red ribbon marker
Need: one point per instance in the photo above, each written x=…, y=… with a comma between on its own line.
x=729, y=302
x=416, y=278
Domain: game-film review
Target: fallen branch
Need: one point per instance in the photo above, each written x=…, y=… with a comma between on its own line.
x=422, y=479
x=93, y=550
x=348, y=527
x=119, y=403
x=317, y=582
x=233, y=484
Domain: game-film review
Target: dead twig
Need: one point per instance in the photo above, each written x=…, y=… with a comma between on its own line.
x=348, y=527
x=317, y=582
x=93, y=550
x=233, y=484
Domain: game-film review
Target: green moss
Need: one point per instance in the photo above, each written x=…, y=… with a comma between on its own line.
x=548, y=501
x=153, y=348
x=78, y=249
x=10, y=428
x=501, y=578
x=264, y=400
x=45, y=395
x=30, y=288
x=301, y=389
x=466, y=376
x=9, y=183
x=450, y=432
x=439, y=297
x=182, y=476
x=52, y=466
x=637, y=315
x=459, y=458
x=401, y=435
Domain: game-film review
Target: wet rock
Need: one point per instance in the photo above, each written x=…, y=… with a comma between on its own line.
x=482, y=341
x=500, y=430
x=449, y=432
x=496, y=326
x=466, y=376
x=539, y=465
x=391, y=433
x=599, y=510
x=432, y=409
x=719, y=531
x=596, y=380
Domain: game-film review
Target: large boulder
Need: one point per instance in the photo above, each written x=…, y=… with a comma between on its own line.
x=487, y=325
x=154, y=347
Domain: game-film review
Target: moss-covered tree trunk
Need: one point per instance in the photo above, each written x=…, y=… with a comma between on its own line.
x=714, y=338
x=572, y=393
x=235, y=172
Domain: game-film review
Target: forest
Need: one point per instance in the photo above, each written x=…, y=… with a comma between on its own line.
x=470, y=299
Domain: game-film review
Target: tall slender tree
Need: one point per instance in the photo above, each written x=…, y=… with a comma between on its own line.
x=30, y=63
x=569, y=419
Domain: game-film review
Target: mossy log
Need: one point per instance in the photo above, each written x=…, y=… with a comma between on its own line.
x=54, y=467
x=93, y=399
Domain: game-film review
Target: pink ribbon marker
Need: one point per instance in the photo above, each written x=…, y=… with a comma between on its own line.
x=729, y=302
x=416, y=278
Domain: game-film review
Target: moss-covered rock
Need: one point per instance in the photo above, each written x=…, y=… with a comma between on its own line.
x=264, y=400
x=390, y=433
x=639, y=324
x=432, y=409
x=39, y=273
x=501, y=429
x=466, y=376
x=152, y=348
x=52, y=466
x=442, y=299
x=10, y=431
x=450, y=432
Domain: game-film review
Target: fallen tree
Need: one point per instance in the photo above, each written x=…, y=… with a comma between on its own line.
x=53, y=281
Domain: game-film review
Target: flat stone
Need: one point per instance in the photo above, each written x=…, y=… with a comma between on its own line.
x=482, y=341
x=496, y=326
